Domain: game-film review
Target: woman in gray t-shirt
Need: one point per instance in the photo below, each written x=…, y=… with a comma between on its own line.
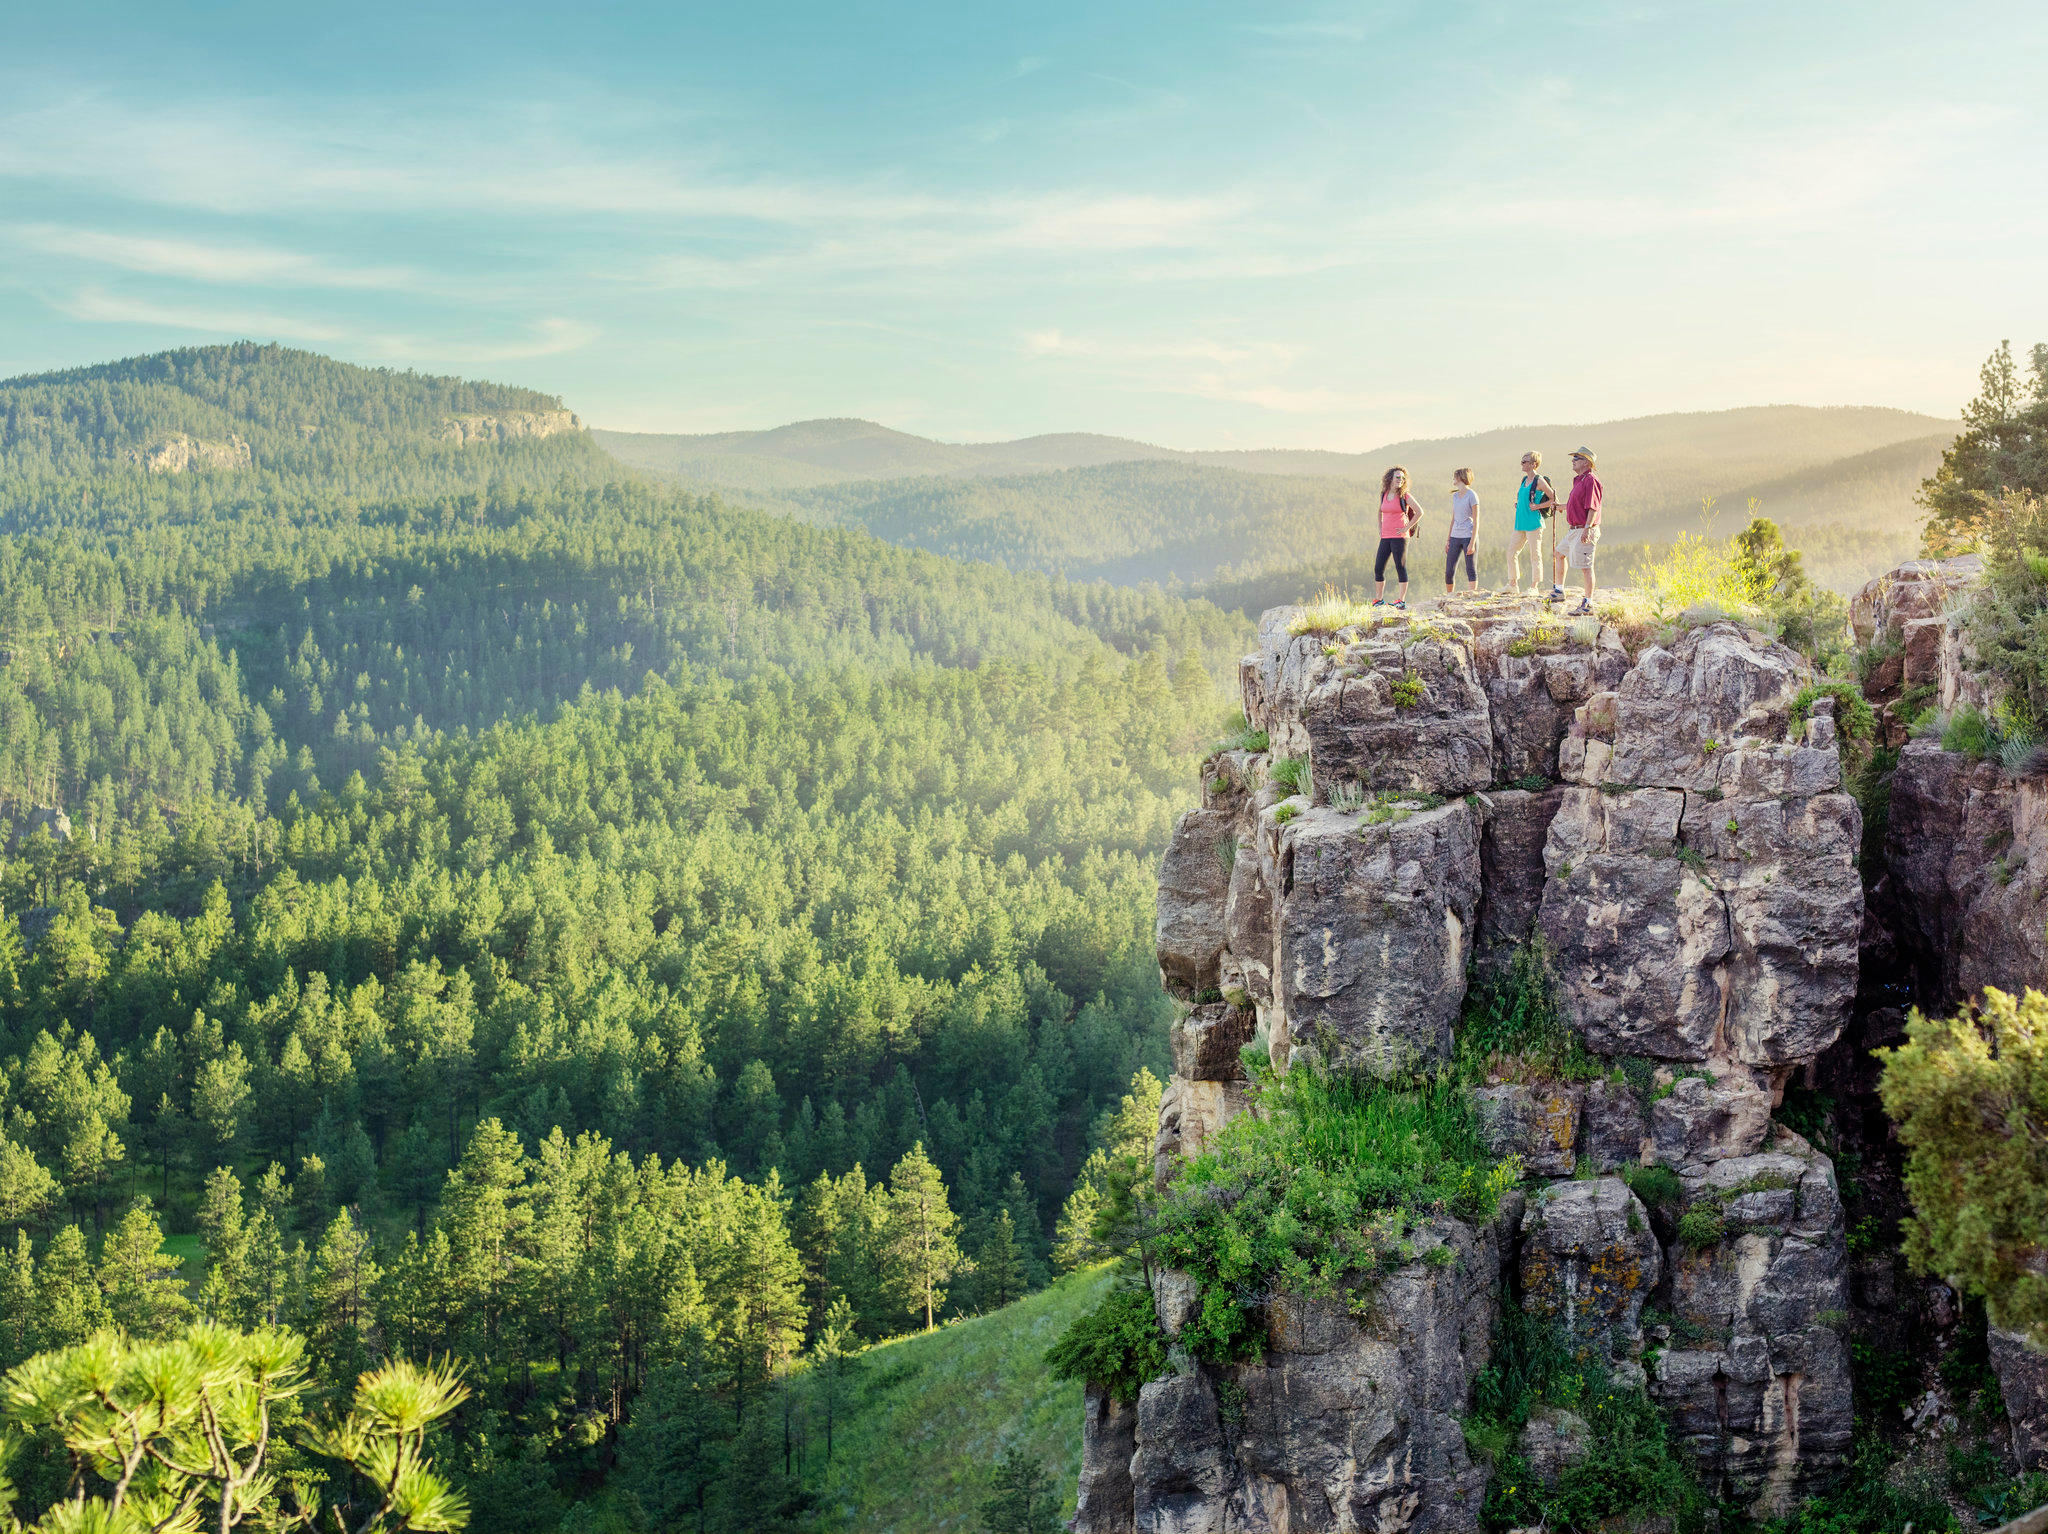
x=1464, y=534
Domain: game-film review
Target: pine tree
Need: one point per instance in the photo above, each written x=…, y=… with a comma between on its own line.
x=69, y=1306
x=145, y=1294
x=1022, y=1498
x=339, y=1285
x=999, y=1265
x=835, y=1362
x=922, y=1251
x=1074, y=1244
x=26, y=1190
x=224, y=1294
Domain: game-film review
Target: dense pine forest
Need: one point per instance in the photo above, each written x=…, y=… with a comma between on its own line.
x=462, y=899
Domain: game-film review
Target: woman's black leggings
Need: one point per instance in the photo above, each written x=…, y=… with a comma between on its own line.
x=1452, y=550
x=1398, y=547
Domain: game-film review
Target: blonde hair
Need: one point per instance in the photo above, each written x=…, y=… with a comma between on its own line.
x=1463, y=477
x=1534, y=457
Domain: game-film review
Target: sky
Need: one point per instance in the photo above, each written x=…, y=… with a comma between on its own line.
x=1247, y=225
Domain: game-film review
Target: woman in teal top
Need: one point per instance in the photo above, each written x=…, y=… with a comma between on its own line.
x=1534, y=501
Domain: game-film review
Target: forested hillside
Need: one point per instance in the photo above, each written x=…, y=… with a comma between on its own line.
x=1101, y=508
x=473, y=901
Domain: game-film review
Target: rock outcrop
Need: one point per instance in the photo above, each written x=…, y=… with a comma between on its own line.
x=179, y=454
x=507, y=426
x=1436, y=797
x=2022, y=1371
x=1344, y=1423
x=1760, y=1393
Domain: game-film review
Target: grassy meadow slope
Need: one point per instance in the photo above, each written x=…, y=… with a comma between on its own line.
x=1152, y=515
x=931, y=1413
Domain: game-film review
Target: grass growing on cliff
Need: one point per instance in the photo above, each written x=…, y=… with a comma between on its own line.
x=1512, y=1030
x=1630, y=1465
x=1319, y=1193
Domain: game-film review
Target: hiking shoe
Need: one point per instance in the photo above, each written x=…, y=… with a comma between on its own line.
x=1402, y=603
x=1583, y=610
x=1379, y=601
x=1556, y=594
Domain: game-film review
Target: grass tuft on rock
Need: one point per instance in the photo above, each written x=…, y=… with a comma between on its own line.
x=1319, y=1193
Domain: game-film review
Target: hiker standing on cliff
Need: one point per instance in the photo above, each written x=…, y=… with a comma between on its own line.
x=1582, y=530
x=1463, y=537
x=1534, y=502
x=1399, y=518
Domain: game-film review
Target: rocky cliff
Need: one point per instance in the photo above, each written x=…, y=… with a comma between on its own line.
x=1420, y=800
x=507, y=426
x=180, y=454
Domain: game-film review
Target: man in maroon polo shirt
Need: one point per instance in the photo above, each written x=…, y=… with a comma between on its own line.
x=1582, y=529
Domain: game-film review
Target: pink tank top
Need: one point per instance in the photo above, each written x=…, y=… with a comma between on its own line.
x=1393, y=517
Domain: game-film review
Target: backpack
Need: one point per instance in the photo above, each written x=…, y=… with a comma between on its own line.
x=1543, y=491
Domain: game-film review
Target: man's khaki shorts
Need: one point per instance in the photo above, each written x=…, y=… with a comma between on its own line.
x=1578, y=545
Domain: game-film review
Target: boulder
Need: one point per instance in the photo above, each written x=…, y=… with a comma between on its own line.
x=1703, y=899
x=1588, y=1261
x=1760, y=1396
x=2022, y=1371
x=1374, y=926
x=1612, y=1126
x=1538, y=1122
x=1701, y=1121
x=1207, y=1040
x=1637, y=938
x=1277, y=677
x=1394, y=711
x=1920, y=657
x=1191, y=1115
x=1532, y=695
x=1247, y=962
x=1194, y=886
x=1342, y=1423
x=1555, y=1440
x=1514, y=826
x=1108, y=1441
x=1920, y=588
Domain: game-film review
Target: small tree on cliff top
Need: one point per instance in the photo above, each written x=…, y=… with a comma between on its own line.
x=1970, y=1095
x=1998, y=459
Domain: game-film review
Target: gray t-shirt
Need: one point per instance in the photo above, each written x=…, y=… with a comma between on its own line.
x=1464, y=507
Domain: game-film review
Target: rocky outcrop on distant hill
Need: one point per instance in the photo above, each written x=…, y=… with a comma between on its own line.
x=180, y=454
x=1432, y=795
x=507, y=426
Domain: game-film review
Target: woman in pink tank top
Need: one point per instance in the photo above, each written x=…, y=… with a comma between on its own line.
x=1399, y=517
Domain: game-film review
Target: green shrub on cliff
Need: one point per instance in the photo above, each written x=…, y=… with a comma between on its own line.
x=1970, y=1096
x=1318, y=1193
x=1117, y=1345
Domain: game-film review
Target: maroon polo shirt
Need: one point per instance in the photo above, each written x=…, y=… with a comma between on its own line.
x=1584, y=500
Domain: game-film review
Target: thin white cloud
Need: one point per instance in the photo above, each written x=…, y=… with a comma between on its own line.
x=546, y=337
x=208, y=261
x=100, y=307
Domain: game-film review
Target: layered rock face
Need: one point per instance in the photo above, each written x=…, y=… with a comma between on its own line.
x=1433, y=796
x=1957, y=901
x=1341, y=1424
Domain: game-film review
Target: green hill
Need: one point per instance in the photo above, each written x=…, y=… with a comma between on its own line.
x=930, y=1414
x=266, y=421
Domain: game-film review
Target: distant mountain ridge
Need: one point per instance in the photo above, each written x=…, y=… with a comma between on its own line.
x=847, y=448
